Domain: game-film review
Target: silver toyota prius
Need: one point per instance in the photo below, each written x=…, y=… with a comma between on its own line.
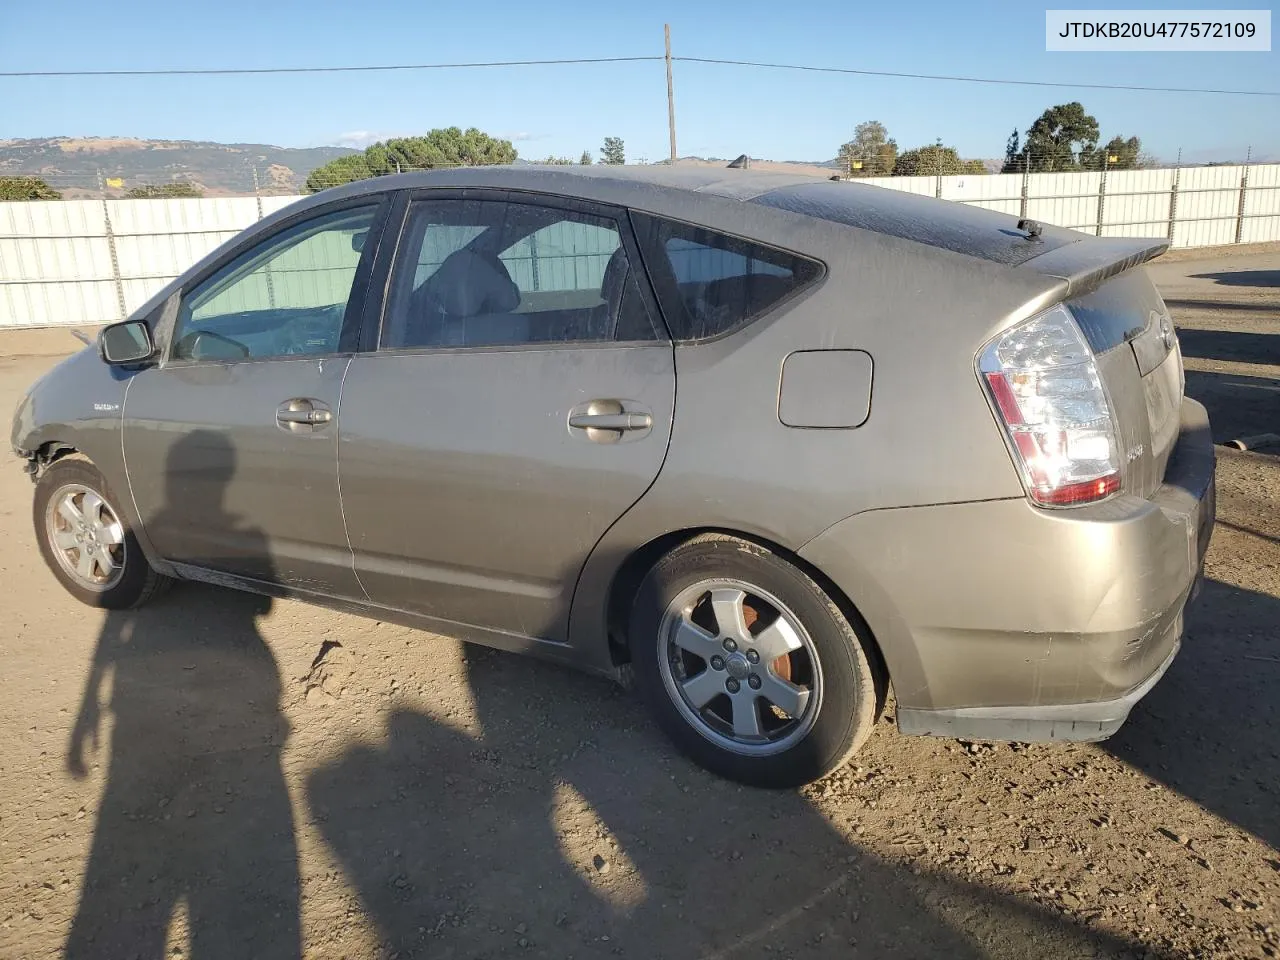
x=767, y=444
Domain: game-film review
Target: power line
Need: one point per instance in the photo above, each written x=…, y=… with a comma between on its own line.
x=572, y=61
x=372, y=68
x=958, y=79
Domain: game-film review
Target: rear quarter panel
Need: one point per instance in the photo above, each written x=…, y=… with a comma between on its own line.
x=921, y=313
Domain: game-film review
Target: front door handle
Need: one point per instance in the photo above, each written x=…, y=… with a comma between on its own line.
x=302, y=414
x=610, y=421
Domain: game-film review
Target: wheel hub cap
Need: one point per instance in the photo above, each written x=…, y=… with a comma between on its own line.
x=738, y=666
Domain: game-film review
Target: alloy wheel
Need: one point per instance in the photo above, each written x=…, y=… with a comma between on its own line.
x=86, y=536
x=740, y=667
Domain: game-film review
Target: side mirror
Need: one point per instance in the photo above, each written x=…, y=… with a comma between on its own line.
x=358, y=239
x=125, y=343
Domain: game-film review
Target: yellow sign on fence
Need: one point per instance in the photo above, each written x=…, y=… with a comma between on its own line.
x=115, y=182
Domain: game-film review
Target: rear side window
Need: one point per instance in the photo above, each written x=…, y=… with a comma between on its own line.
x=709, y=284
x=1118, y=310
x=492, y=273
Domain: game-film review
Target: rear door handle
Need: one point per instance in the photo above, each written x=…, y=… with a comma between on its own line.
x=611, y=421
x=302, y=414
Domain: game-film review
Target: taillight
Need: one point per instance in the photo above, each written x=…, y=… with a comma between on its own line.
x=1044, y=385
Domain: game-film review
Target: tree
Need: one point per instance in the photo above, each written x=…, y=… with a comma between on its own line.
x=1121, y=154
x=585, y=159
x=870, y=153
x=935, y=160
x=557, y=161
x=442, y=147
x=1061, y=139
x=613, y=151
x=178, y=189
x=27, y=188
x=1015, y=161
x=342, y=170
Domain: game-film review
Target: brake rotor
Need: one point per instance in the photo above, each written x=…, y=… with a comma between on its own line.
x=781, y=666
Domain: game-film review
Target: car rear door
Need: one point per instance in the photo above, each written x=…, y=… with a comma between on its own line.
x=519, y=401
x=231, y=441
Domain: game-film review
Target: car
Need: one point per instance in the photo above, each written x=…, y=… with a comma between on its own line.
x=765, y=446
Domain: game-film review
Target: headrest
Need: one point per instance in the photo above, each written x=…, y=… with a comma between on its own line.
x=615, y=271
x=470, y=283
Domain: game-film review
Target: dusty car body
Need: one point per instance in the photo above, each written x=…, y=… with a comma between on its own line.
x=767, y=443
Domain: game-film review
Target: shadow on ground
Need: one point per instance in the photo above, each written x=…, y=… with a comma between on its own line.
x=1242, y=278
x=1238, y=406
x=1208, y=729
x=566, y=828
x=551, y=835
x=1231, y=345
x=195, y=815
x=1224, y=306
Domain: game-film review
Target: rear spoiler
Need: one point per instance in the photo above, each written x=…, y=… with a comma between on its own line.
x=1086, y=264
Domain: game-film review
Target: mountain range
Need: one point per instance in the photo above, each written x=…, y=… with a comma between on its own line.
x=74, y=164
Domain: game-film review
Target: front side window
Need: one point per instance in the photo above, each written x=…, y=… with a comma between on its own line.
x=475, y=273
x=287, y=296
x=709, y=284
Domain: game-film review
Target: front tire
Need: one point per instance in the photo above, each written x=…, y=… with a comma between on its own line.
x=87, y=543
x=749, y=666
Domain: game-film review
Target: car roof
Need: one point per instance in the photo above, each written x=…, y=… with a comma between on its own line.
x=599, y=180
x=693, y=192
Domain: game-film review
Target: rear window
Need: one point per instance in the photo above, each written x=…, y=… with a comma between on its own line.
x=709, y=284
x=947, y=225
x=1118, y=310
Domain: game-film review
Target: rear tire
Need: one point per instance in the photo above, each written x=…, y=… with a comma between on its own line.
x=778, y=697
x=87, y=542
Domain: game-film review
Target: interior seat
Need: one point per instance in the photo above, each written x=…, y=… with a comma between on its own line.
x=468, y=301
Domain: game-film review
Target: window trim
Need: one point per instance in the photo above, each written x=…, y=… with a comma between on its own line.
x=375, y=319
x=658, y=267
x=379, y=201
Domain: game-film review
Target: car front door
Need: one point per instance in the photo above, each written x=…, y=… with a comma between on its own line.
x=519, y=402
x=231, y=441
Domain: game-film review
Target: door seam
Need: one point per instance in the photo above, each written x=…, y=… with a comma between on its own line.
x=337, y=464
x=124, y=457
x=586, y=560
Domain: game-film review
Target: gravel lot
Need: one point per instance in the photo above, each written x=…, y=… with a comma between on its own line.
x=223, y=776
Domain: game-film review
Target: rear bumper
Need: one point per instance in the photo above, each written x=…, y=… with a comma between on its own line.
x=998, y=620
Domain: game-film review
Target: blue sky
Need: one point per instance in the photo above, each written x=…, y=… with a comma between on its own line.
x=721, y=111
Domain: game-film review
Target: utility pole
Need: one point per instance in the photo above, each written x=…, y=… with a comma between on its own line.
x=257, y=191
x=671, y=96
x=1244, y=193
x=937, y=156
x=111, y=248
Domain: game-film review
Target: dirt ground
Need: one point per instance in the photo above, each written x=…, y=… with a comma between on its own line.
x=222, y=776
